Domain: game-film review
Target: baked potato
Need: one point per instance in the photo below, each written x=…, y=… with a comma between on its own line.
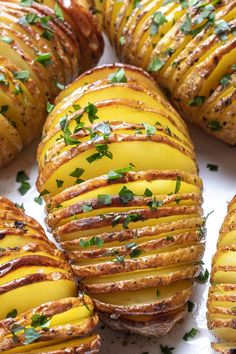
x=222, y=293
x=39, y=307
x=188, y=47
x=43, y=47
x=118, y=171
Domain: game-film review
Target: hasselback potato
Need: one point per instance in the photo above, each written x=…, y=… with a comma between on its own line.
x=44, y=45
x=39, y=307
x=118, y=171
x=222, y=293
x=189, y=47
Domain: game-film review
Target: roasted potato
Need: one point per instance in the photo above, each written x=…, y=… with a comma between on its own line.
x=43, y=47
x=118, y=171
x=39, y=309
x=188, y=47
x=222, y=294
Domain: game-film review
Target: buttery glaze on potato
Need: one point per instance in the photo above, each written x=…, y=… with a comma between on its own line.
x=39, y=310
x=188, y=47
x=222, y=294
x=43, y=47
x=118, y=171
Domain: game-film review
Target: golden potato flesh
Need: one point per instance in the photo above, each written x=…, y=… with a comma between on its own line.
x=118, y=171
x=188, y=48
x=222, y=294
x=42, y=49
x=37, y=291
x=110, y=124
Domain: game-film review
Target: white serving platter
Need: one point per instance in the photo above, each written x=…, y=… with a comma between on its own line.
x=219, y=188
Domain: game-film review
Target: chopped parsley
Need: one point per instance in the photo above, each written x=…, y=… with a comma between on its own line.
x=6, y=39
x=177, y=185
x=4, y=108
x=94, y=241
x=221, y=27
x=158, y=19
x=191, y=306
x=214, y=125
x=212, y=167
x=102, y=150
x=58, y=12
x=87, y=207
x=44, y=58
x=197, y=101
x=23, y=75
x=154, y=204
x=30, y=334
x=59, y=183
x=225, y=80
x=191, y=334
x=77, y=173
x=26, y=2
x=131, y=218
x=91, y=110
x=50, y=107
x=23, y=179
x=12, y=314
x=118, y=77
x=156, y=64
x=118, y=259
x=104, y=199
x=38, y=200
x=117, y=174
x=122, y=40
x=126, y=195
x=149, y=129
x=40, y=321
x=135, y=252
x=203, y=277
x=148, y=193
x=166, y=350
x=3, y=80
x=60, y=86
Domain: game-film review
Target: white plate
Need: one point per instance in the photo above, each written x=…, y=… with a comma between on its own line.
x=219, y=188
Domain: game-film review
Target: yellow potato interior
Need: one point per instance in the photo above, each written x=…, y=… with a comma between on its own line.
x=42, y=293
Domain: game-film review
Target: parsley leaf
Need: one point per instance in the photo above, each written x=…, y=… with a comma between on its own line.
x=158, y=19
x=117, y=174
x=191, y=334
x=156, y=64
x=104, y=199
x=166, y=350
x=23, y=179
x=118, y=76
x=214, y=125
x=102, y=150
x=23, y=75
x=197, y=101
x=203, y=277
x=94, y=241
x=12, y=314
x=44, y=58
x=58, y=12
x=126, y=195
x=91, y=110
